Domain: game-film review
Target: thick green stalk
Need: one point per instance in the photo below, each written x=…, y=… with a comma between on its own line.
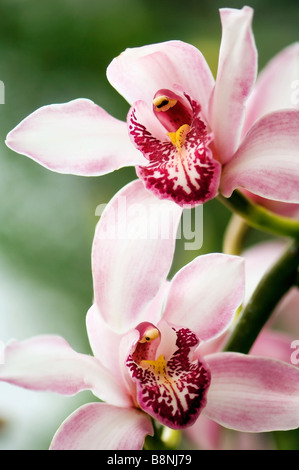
x=259, y=217
x=272, y=287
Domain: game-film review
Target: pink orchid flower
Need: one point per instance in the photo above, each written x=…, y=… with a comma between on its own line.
x=145, y=331
x=188, y=136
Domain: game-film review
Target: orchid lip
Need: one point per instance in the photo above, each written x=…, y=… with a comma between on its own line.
x=181, y=166
x=172, y=388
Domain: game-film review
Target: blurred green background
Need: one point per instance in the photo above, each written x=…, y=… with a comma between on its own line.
x=54, y=51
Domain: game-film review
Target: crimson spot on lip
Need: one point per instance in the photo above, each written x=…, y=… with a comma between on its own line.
x=171, y=390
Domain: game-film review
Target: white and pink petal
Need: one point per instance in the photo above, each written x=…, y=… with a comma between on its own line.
x=77, y=137
x=132, y=253
x=277, y=86
x=48, y=363
x=104, y=341
x=235, y=79
x=253, y=394
x=267, y=162
x=98, y=426
x=138, y=73
x=205, y=294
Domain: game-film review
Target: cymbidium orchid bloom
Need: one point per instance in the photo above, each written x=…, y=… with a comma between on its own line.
x=188, y=135
x=146, y=334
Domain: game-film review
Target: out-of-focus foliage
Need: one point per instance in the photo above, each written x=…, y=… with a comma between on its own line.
x=54, y=51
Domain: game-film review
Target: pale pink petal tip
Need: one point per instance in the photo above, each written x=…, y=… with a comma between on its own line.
x=97, y=426
x=253, y=394
x=132, y=254
x=77, y=137
x=190, y=302
x=267, y=161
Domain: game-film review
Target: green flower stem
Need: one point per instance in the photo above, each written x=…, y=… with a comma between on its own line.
x=164, y=438
x=259, y=217
x=235, y=233
x=276, y=282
